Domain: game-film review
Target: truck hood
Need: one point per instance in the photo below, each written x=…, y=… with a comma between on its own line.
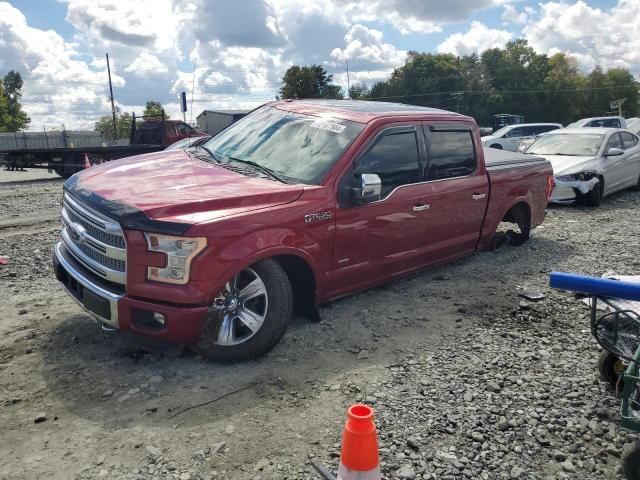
x=175, y=186
x=566, y=165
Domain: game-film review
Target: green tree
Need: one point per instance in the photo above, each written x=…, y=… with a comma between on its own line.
x=154, y=109
x=621, y=84
x=308, y=82
x=123, y=124
x=565, y=90
x=358, y=91
x=12, y=117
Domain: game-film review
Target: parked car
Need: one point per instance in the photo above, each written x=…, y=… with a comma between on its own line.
x=633, y=125
x=590, y=163
x=509, y=137
x=294, y=205
x=188, y=142
x=600, y=122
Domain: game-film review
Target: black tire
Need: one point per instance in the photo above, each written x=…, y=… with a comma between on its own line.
x=593, y=198
x=59, y=169
x=278, y=308
x=610, y=367
x=631, y=461
x=497, y=146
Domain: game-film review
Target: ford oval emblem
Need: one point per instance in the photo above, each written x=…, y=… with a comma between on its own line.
x=78, y=232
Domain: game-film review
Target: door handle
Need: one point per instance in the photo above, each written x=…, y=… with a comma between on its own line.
x=478, y=196
x=421, y=207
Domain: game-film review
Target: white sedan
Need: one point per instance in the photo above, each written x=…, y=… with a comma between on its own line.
x=589, y=163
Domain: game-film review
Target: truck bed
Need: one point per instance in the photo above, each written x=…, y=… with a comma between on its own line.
x=496, y=159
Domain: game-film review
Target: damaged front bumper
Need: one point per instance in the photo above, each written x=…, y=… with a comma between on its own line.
x=567, y=191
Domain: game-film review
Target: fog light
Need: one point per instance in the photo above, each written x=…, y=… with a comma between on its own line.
x=158, y=317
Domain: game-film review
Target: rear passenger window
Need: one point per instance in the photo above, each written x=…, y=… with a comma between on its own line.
x=394, y=158
x=629, y=140
x=451, y=154
x=611, y=123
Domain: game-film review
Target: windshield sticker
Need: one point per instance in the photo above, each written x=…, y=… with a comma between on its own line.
x=330, y=126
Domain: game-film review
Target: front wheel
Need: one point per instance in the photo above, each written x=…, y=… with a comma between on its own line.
x=250, y=316
x=497, y=146
x=592, y=199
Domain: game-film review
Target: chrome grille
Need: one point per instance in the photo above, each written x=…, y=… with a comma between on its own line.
x=95, y=232
x=94, y=239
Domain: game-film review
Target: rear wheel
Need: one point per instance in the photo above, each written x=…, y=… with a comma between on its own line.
x=593, y=198
x=637, y=187
x=250, y=316
x=610, y=368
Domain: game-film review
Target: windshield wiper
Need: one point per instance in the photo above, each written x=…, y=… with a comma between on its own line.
x=262, y=168
x=211, y=154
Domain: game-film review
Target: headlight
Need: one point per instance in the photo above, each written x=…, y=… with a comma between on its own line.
x=573, y=177
x=179, y=251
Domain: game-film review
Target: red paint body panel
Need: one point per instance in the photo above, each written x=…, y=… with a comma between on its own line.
x=247, y=219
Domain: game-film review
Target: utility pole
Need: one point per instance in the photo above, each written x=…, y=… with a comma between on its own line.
x=348, y=84
x=113, y=108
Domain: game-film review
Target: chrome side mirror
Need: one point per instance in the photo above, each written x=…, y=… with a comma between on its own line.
x=369, y=189
x=614, y=152
x=371, y=186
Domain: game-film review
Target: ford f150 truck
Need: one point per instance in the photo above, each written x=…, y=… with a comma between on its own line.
x=297, y=204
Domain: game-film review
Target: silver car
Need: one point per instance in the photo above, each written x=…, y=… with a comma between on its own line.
x=589, y=163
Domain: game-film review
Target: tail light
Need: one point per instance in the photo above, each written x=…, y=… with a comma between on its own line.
x=550, y=184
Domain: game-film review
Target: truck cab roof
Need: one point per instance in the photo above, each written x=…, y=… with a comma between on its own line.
x=361, y=111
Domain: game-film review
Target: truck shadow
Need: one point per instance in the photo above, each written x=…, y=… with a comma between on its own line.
x=110, y=379
x=36, y=181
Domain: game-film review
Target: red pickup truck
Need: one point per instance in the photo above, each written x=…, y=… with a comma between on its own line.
x=297, y=204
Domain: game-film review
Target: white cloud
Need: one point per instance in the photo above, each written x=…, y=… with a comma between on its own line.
x=592, y=35
x=512, y=15
x=146, y=64
x=365, y=50
x=476, y=40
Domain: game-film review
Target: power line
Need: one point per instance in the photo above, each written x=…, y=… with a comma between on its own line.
x=494, y=92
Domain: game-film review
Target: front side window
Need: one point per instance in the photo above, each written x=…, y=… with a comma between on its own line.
x=394, y=158
x=614, y=142
x=451, y=154
x=297, y=147
x=515, y=132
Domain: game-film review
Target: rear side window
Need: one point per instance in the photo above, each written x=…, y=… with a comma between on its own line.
x=451, y=154
x=546, y=128
x=394, y=158
x=611, y=123
x=629, y=140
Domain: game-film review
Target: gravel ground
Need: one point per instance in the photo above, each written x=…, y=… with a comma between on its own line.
x=467, y=379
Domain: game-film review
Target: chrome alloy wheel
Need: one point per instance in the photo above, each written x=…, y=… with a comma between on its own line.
x=242, y=307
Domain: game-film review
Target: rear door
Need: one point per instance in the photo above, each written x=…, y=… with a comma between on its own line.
x=459, y=190
x=632, y=160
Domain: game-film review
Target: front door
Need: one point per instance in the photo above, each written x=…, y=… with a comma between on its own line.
x=377, y=240
x=614, y=166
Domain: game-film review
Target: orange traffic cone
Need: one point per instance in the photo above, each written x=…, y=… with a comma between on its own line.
x=359, y=458
x=87, y=163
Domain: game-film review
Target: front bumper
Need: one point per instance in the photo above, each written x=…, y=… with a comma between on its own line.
x=569, y=191
x=112, y=308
